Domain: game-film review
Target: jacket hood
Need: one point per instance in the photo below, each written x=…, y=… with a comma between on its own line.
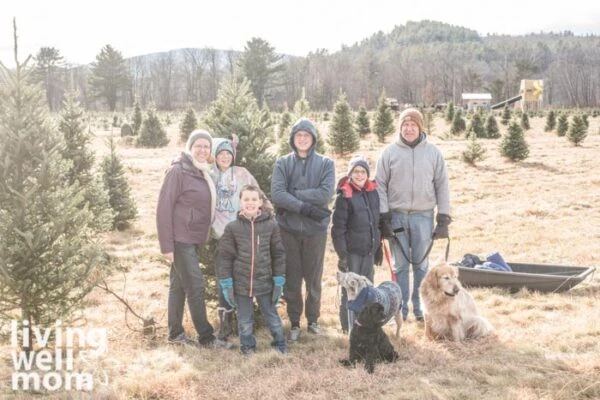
x=347, y=187
x=303, y=124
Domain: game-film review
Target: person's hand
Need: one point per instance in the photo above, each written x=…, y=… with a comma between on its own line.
x=378, y=258
x=441, y=229
x=226, y=285
x=169, y=257
x=313, y=212
x=385, y=225
x=343, y=262
x=278, y=282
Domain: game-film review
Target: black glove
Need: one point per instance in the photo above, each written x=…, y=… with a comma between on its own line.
x=441, y=229
x=313, y=212
x=343, y=262
x=379, y=254
x=385, y=225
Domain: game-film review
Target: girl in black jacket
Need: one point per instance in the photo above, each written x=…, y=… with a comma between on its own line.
x=355, y=230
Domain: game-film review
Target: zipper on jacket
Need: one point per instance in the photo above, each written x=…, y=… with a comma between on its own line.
x=252, y=249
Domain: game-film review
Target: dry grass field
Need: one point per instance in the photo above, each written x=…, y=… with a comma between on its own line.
x=543, y=210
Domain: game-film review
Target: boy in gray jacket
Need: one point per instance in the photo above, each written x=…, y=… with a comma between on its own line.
x=303, y=182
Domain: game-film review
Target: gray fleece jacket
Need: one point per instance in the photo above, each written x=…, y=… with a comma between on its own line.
x=412, y=178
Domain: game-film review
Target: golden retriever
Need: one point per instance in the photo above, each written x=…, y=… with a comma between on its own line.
x=450, y=311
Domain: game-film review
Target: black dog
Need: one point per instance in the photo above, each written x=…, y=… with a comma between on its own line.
x=368, y=341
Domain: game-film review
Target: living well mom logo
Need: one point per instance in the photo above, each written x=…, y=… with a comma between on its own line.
x=52, y=358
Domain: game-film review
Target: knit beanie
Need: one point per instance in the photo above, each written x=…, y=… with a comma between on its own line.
x=195, y=135
x=412, y=114
x=225, y=145
x=358, y=161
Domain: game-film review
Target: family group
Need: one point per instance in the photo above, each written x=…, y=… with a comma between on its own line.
x=265, y=249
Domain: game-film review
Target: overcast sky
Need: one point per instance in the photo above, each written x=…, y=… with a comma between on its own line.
x=134, y=27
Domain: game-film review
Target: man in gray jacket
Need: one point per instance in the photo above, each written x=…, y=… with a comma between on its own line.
x=303, y=182
x=412, y=181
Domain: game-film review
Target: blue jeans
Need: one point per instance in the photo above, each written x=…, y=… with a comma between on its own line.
x=362, y=265
x=413, y=233
x=245, y=315
x=187, y=282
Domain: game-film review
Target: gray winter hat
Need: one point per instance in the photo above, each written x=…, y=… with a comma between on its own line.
x=195, y=135
x=358, y=161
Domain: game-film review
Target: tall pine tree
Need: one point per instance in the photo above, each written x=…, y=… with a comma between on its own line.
x=77, y=149
x=49, y=259
x=342, y=137
x=236, y=111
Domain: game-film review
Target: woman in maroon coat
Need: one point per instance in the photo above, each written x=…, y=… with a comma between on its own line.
x=184, y=214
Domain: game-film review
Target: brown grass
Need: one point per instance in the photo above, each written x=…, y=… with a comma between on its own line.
x=543, y=210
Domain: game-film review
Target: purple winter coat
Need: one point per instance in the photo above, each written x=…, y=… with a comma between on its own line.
x=183, y=211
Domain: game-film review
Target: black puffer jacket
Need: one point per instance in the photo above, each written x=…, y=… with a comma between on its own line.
x=251, y=252
x=356, y=219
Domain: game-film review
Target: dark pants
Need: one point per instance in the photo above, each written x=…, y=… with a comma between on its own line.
x=187, y=282
x=304, y=263
x=361, y=265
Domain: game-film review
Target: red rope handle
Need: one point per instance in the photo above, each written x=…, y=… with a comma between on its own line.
x=386, y=252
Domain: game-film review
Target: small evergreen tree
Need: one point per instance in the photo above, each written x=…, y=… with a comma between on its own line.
x=577, y=131
x=77, y=142
x=506, y=115
x=126, y=130
x=584, y=117
x=188, y=124
x=119, y=192
x=477, y=126
x=383, y=120
x=550, y=121
x=563, y=125
x=525, y=122
x=491, y=128
x=450, y=112
x=428, y=121
x=513, y=145
x=152, y=134
x=474, y=151
x=137, y=118
x=343, y=139
x=284, y=124
x=458, y=123
x=363, y=124
x=49, y=259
